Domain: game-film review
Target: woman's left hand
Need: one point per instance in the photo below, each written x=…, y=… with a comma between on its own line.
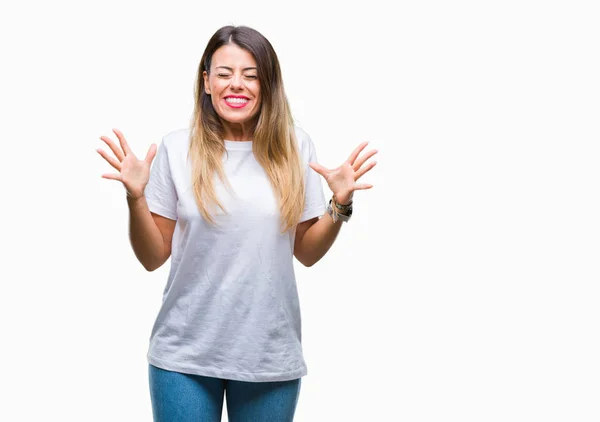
x=342, y=180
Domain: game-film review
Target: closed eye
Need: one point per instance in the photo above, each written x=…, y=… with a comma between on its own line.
x=227, y=75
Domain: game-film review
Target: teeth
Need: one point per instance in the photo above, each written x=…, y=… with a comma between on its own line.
x=236, y=100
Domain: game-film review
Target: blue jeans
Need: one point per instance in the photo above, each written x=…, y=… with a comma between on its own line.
x=179, y=397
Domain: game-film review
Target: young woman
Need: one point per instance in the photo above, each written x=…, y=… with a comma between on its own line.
x=231, y=200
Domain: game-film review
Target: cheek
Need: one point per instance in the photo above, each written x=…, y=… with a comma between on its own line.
x=256, y=92
x=216, y=90
x=216, y=85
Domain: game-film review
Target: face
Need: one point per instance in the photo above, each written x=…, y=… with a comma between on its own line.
x=233, y=84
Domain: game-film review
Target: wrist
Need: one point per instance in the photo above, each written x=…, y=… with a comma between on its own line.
x=133, y=200
x=339, y=212
x=343, y=199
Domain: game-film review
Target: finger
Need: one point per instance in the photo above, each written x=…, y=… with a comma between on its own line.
x=111, y=161
x=358, y=164
x=362, y=186
x=357, y=151
x=112, y=176
x=319, y=169
x=363, y=170
x=123, y=142
x=151, y=154
x=118, y=153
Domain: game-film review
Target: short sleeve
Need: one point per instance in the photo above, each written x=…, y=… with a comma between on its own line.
x=314, y=197
x=160, y=191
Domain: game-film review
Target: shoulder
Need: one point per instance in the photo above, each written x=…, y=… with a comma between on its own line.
x=304, y=141
x=177, y=140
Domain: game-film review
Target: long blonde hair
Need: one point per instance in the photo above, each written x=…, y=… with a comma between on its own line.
x=274, y=142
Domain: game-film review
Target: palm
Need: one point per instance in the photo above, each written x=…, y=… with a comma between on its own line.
x=342, y=180
x=133, y=172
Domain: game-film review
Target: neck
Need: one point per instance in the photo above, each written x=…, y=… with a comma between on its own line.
x=238, y=131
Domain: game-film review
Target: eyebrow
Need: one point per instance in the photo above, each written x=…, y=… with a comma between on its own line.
x=229, y=68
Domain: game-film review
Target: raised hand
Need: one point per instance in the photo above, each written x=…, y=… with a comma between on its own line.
x=342, y=180
x=132, y=172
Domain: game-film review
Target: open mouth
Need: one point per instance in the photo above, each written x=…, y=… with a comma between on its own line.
x=236, y=102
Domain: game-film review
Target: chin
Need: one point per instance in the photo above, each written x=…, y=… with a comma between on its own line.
x=238, y=119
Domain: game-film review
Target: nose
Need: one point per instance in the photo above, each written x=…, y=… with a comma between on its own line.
x=236, y=82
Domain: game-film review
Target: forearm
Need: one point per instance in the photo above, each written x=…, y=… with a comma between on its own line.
x=318, y=239
x=146, y=239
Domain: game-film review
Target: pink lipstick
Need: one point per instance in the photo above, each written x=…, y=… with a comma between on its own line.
x=236, y=101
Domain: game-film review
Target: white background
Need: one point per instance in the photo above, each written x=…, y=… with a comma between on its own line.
x=465, y=288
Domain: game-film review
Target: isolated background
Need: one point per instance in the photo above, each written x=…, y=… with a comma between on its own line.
x=465, y=288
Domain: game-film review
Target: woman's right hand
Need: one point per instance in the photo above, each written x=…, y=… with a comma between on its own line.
x=133, y=173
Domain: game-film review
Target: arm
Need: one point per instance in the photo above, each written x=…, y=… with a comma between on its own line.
x=314, y=238
x=150, y=234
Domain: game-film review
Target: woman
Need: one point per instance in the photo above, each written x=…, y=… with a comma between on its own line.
x=231, y=200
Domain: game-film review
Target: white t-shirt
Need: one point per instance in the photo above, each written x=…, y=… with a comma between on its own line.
x=230, y=306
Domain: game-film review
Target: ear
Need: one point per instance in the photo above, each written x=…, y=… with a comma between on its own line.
x=206, y=85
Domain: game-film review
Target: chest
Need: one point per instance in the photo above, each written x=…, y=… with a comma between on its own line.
x=249, y=196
